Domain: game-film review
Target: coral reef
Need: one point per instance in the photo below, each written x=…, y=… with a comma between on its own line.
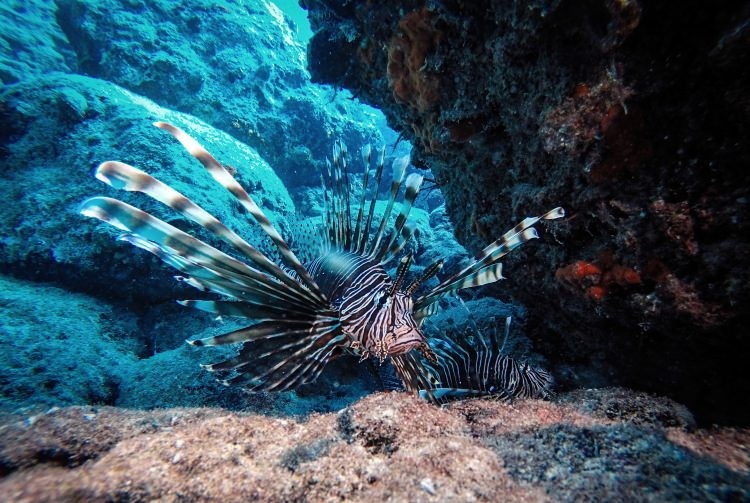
x=632, y=116
x=638, y=130
x=597, y=278
x=386, y=446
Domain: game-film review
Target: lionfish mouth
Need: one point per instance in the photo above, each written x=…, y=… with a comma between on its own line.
x=308, y=314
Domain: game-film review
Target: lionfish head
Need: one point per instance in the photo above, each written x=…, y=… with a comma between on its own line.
x=403, y=333
x=400, y=332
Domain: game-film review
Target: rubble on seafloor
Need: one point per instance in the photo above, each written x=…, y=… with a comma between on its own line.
x=594, y=445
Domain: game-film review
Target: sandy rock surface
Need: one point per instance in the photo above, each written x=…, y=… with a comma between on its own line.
x=387, y=446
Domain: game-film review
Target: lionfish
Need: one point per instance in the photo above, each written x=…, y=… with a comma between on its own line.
x=306, y=314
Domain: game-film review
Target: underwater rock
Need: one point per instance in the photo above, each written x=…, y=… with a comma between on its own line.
x=388, y=446
x=237, y=66
x=61, y=348
x=632, y=117
x=31, y=43
x=44, y=237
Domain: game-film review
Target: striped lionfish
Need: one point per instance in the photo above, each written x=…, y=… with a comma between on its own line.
x=307, y=314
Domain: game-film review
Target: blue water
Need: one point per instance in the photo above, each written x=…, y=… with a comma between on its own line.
x=298, y=15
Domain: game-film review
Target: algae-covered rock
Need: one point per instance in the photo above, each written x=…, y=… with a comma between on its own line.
x=236, y=65
x=61, y=348
x=388, y=446
x=62, y=127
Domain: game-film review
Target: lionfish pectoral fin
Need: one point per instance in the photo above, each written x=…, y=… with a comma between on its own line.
x=277, y=355
x=211, y=268
x=123, y=176
x=219, y=173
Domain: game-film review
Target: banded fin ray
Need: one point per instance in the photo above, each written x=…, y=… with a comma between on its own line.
x=362, y=246
x=254, y=310
x=403, y=268
x=213, y=280
x=484, y=276
x=288, y=361
x=399, y=169
x=509, y=241
x=275, y=355
x=413, y=184
x=126, y=177
x=177, y=248
x=131, y=219
x=225, y=179
x=366, y=155
x=406, y=233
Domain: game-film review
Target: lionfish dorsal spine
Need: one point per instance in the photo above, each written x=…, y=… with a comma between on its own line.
x=413, y=184
x=362, y=245
x=344, y=185
x=399, y=169
x=366, y=154
x=341, y=216
x=428, y=273
x=403, y=268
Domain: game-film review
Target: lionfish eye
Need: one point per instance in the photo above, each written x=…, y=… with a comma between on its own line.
x=381, y=298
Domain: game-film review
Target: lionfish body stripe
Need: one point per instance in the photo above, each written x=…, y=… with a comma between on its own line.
x=342, y=302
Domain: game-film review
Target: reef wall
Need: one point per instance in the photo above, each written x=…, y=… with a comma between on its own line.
x=633, y=116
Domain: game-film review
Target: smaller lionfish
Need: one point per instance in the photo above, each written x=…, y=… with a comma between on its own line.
x=305, y=315
x=464, y=370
